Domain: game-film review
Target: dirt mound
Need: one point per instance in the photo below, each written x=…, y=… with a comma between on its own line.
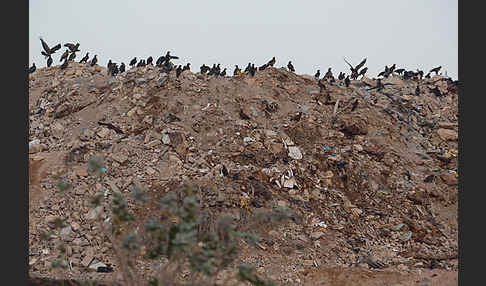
x=375, y=184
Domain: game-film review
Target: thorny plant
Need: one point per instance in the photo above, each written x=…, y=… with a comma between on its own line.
x=176, y=235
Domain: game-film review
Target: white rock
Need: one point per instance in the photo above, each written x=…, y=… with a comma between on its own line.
x=247, y=140
x=294, y=153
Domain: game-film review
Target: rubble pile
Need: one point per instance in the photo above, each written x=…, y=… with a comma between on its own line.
x=375, y=185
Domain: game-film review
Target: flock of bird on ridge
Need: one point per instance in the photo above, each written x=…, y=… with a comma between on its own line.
x=165, y=65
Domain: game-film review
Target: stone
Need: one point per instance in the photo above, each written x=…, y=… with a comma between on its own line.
x=316, y=235
x=248, y=140
x=57, y=130
x=120, y=158
x=81, y=171
x=294, y=153
x=75, y=226
x=289, y=183
x=153, y=143
x=35, y=146
x=449, y=178
x=95, y=264
x=66, y=233
x=275, y=147
x=132, y=111
x=103, y=132
x=447, y=134
x=166, y=139
x=94, y=213
x=150, y=171
x=282, y=204
x=89, y=255
x=86, y=134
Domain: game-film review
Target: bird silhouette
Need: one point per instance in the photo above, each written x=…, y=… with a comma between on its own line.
x=122, y=67
x=55, y=48
x=347, y=81
x=150, y=60
x=94, y=60
x=223, y=73
x=417, y=91
x=64, y=64
x=85, y=58
x=45, y=46
x=64, y=55
x=72, y=56
x=436, y=70
x=290, y=67
x=363, y=72
x=271, y=62
x=243, y=115
x=237, y=71
x=178, y=70
x=32, y=68
x=187, y=67
x=72, y=47
x=133, y=62
x=355, y=104
x=317, y=75
x=49, y=61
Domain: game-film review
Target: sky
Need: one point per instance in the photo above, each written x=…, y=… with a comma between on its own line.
x=413, y=34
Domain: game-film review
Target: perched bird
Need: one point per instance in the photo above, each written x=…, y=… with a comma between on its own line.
x=168, y=57
x=141, y=63
x=72, y=47
x=354, y=71
x=224, y=170
x=379, y=85
x=133, y=62
x=85, y=58
x=223, y=73
x=32, y=68
x=45, y=46
x=109, y=64
x=420, y=74
x=355, y=104
x=55, y=48
x=46, y=55
x=271, y=62
x=362, y=72
x=150, y=61
x=253, y=70
x=427, y=75
x=247, y=69
x=94, y=60
x=72, y=56
x=237, y=71
x=49, y=61
x=341, y=76
x=159, y=61
x=212, y=70
x=290, y=67
x=328, y=74
x=263, y=67
x=347, y=81
x=436, y=70
x=178, y=70
x=204, y=69
x=392, y=68
x=122, y=67
x=64, y=55
x=361, y=64
x=417, y=91
x=399, y=71
x=187, y=67
x=64, y=64
x=218, y=69
x=243, y=115
x=317, y=75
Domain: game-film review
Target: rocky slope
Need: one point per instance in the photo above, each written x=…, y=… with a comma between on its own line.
x=376, y=186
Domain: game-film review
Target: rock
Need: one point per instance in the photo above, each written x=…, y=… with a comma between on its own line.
x=94, y=213
x=166, y=139
x=81, y=171
x=270, y=133
x=36, y=147
x=62, y=110
x=294, y=153
x=289, y=183
x=95, y=264
x=75, y=226
x=57, y=130
x=248, y=140
x=316, y=235
x=449, y=178
x=447, y=125
x=89, y=255
x=447, y=134
x=66, y=233
x=282, y=204
x=51, y=219
x=150, y=171
x=103, y=132
x=153, y=143
x=86, y=134
x=132, y=111
x=120, y=158
x=275, y=147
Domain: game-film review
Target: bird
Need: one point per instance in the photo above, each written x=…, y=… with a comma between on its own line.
x=187, y=67
x=317, y=75
x=321, y=86
x=379, y=85
x=204, y=69
x=122, y=67
x=45, y=46
x=291, y=67
x=64, y=55
x=141, y=63
x=223, y=73
x=237, y=71
x=94, y=60
x=46, y=55
x=133, y=62
x=420, y=74
x=271, y=62
x=159, y=61
x=253, y=70
x=362, y=72
x=168, y=57
x=32, y=68
x=150, y=61
x=399, y=71
x=360, y=64
x=341, y=76
x=354, y=71
x=212, y=70
x=427, y=75
x=64, y=64
x=417, y=91
x=49, y=61
x=436, y=70
x=85, y=58
x=72, y=47
x=243, y=115
x=55, y=48
x=355, y=104
x=178, y=70
x=109, y=64
x=72, y=56
x=347, y=81
x=392, y=68
x=263, y=67
x=224, y=170
x=247, y=69
x=328, y=74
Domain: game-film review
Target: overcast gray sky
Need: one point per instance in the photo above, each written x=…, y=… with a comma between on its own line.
x=314, y=35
